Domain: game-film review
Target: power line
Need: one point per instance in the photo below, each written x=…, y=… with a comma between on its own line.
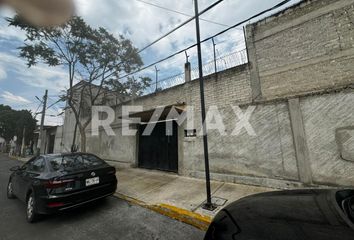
x=181, y=25
x=165, y=35
x=35, y=113
x=55, y=108
x=192, y=46
x=56, y=102
x=182, y=13
x=54, y=95
x=207, y=39
x=249, y=19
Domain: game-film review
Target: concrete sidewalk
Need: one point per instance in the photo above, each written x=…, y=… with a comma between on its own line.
x=176, y=196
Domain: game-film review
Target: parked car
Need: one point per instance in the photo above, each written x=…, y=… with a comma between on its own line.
x=52, y=183
x=287, y=215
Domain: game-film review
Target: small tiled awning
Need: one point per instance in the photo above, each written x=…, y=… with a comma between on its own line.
x=145, y=116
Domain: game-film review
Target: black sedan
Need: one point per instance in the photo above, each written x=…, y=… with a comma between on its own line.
x=52, y=183
x=290, y=215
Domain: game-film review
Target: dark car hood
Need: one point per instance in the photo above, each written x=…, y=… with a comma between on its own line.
x=297, y=214
x=313, y=206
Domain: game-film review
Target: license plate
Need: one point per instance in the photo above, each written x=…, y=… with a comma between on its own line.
x=92, y=181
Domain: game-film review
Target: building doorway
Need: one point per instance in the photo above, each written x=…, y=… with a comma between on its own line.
x=158, y=150
x=51, y=144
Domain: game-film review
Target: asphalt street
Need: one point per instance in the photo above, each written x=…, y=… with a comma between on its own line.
x=112, y=218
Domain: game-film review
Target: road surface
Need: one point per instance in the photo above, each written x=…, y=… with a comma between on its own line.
x=112, y=218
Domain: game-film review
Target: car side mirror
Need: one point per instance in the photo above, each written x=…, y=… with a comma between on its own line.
x=15, y=168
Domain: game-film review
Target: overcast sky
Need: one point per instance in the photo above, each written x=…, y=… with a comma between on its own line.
x=136, y=20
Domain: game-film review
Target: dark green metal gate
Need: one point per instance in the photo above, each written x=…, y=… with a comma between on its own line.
x=158, y=150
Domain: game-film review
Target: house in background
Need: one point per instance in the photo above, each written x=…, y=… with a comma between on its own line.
x=83, y=93
x=52, y=139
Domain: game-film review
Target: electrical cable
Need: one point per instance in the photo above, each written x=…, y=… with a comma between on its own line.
x=182, y=13
x=206, y=39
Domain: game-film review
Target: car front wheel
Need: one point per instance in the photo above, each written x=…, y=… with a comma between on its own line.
x=10, y=190
x=31, y=209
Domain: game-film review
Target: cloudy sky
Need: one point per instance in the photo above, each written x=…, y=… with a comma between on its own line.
x=135, y=19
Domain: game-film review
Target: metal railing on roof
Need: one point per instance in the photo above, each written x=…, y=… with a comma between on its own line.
x=222, y=63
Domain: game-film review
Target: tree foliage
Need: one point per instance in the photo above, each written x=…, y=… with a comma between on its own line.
x=93, y=56
x=12, y=123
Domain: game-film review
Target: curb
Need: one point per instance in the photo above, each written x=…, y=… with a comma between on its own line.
x=197, y=220
x=18, y=158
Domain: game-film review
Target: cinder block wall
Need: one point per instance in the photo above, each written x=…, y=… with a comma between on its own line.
x=231, y=88
x=298, y=78
x=307, y=48
x=328, y=123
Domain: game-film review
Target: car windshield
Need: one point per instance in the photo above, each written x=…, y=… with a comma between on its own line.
x=74, y=162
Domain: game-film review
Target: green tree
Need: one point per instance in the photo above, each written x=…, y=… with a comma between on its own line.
x=12, y=123
x=93, y=56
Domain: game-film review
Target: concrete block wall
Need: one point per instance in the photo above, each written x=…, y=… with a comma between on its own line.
x=300, y=61
x=267, y=159
x=324, y=116
x=249, y=159
x=231, y=88
x=309, y=144
x=118, y=150
x=307, y=48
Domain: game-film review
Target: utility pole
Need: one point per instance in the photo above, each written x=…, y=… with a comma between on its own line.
x=208, y=205
x=40, y=137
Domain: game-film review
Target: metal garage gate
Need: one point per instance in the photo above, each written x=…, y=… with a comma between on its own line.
x=158, y=151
